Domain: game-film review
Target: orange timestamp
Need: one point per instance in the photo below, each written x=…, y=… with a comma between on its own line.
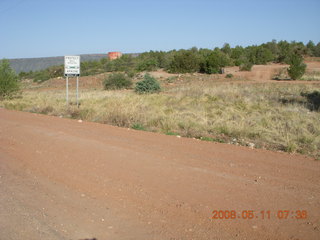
x=262, y=214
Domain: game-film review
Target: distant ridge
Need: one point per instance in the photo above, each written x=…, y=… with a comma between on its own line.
x=35, y=64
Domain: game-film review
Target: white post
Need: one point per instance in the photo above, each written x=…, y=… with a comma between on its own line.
x=67, y=89
x=77, y=91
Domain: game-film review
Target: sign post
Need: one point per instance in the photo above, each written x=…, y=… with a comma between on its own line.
x=71, y=69
x=77, y=91
x=67, y=88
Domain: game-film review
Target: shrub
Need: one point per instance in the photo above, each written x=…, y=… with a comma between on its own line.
x=131, y=73
x=147, y=65
x=313, y=99
x=229, y=75
x=184, y=61
x=259, y=54
x=316, y=52
x=9, y=84
x=236, y=54
x=117, y=81
x=297, y=67
x=125, y=63
x=148, y=85
x=246, y=66
x=138, y=126
x=41, y=76
x=214, y=62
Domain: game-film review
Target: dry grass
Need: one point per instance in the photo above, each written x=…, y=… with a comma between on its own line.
x=311, y=76
x=272, y=116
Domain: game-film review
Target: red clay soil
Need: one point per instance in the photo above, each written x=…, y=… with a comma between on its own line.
x=65, y=179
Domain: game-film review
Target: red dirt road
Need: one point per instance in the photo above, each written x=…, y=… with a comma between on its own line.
x=64, y=179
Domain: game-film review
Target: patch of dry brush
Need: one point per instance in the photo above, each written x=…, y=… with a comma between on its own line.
x=272, y=116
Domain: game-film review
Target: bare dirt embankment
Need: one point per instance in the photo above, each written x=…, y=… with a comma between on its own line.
x=64, y=179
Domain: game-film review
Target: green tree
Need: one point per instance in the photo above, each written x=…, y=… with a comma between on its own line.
x=299, y=48
x=284, y=52
x=90, y=68
x=236, y=54
x=311, y=48
x=226, y=49
x=185, y=61
x=214, y=62
x=9, y=84
x=317, y=50
x=297, y=67
x=273, y=47
x=147, y=64
x=125, y=63
x=259, y=55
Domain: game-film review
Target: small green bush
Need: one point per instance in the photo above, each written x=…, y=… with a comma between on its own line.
x=297, y=67
x=138, y=126
x=172, y=133
x=148, y=85
x=117, y=81
x=229, y=75
x=9, y=84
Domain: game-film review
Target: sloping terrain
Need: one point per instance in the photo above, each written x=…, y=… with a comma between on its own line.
x=67, y=179
x=258, y=74
x=36, y=64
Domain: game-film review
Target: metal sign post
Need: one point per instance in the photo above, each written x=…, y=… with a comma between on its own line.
x=71, y=69
x=77, y=91
x=67, y=88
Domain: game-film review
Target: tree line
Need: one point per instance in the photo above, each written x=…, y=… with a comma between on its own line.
x=203, y=60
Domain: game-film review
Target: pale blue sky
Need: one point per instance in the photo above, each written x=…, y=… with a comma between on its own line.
x=42, y=28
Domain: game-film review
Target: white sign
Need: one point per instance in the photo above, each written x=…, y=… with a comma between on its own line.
x=71, y=66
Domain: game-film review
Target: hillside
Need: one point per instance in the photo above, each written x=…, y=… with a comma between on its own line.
x=35, y=64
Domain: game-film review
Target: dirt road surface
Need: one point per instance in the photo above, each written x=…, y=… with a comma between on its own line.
x=65, y=179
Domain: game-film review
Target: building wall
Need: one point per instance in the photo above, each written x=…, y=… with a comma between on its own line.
x=114, y=55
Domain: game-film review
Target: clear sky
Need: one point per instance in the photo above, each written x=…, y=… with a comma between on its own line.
x=43, y=28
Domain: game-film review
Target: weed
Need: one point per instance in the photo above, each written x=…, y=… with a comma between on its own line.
x=211, y=139
x=311, y=76
x=138, y=126
x=172, y=134
x=171, y=79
